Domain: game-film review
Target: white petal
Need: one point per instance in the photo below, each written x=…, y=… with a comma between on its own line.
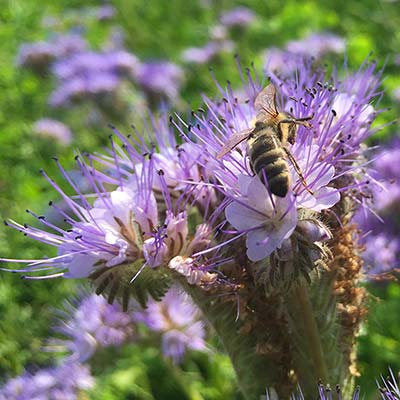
x=326, y=198
x=242, y=217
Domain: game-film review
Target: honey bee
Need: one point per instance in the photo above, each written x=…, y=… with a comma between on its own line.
x=267, y=143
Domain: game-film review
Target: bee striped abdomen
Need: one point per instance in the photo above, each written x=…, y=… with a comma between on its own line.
x=268, y=161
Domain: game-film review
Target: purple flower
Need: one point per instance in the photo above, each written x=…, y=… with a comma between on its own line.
x=317, y=45
x=382, y=253
x=69, y=44
x=205, y=54
x=89, y=74
x=285, y=61
x=37, y=56
x=176, y=319
x=141, y=223
x=238, y=17
x=160, y=79
x=53, y=128
x=327, y=152
x=267, y=221
x=105, y=12
x=379, y=218
x=65, y=381
x=92, y=323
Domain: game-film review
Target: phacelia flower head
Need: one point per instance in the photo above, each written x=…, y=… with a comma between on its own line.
x=93, y=323
x=238, y=17
x=65, y=381
x=37, y=56
x=323, y=163
x=87, y=74
x=176, y=319
x=379, y=219
x=52, y=128
x=132, y=219
x=161, y=80
x=207, y=53
x=317, y=45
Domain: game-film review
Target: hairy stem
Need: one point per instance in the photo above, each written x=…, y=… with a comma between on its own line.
x=311, y=333
x=254, y=371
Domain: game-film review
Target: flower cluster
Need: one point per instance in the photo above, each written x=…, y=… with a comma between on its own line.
x=326, y=152
x=87, y=74
x=52, y=128
x=219, y=42
x=64, y=381
x=91, y=324
x=40, y=55
x=196, y=202
x=238, y=17
x=380, y=221
x=315, y=45
x=177, y=320
x=143, y=219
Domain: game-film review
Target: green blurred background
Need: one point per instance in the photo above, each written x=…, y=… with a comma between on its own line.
x=160, y=29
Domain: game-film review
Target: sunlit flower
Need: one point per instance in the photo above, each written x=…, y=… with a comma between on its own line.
x=328, y=152
x=267, y=219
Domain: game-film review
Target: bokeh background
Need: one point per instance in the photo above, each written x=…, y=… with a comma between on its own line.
x=178, y=41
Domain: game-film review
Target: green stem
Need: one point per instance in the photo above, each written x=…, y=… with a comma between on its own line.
x=311, y=333
x=254, y=372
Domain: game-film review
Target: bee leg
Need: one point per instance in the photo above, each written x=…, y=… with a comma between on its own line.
x=297, y=169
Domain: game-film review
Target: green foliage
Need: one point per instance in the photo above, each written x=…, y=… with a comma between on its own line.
x=142, y=374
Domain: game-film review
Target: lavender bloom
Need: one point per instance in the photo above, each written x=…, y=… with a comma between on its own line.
x=381, y=228
x=317, y=45
x=142, y=223
x=325, y=153
x=205, y=54
x=52, y=128
x=105, y=12
x=69, y=44
x=176, y=319
x=160, y=79
x=88, y=74
x=40, y=55
x=279, y=60
x=65, y=381
x=37, y=56
x=92, y=323
x=238, y=17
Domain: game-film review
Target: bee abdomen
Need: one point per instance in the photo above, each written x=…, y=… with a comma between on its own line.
x=272, y=167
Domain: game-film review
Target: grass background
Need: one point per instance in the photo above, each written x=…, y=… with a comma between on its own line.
x=159, y=29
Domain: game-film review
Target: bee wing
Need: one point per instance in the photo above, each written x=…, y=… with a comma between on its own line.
x=265, y=103
x=233, y=141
